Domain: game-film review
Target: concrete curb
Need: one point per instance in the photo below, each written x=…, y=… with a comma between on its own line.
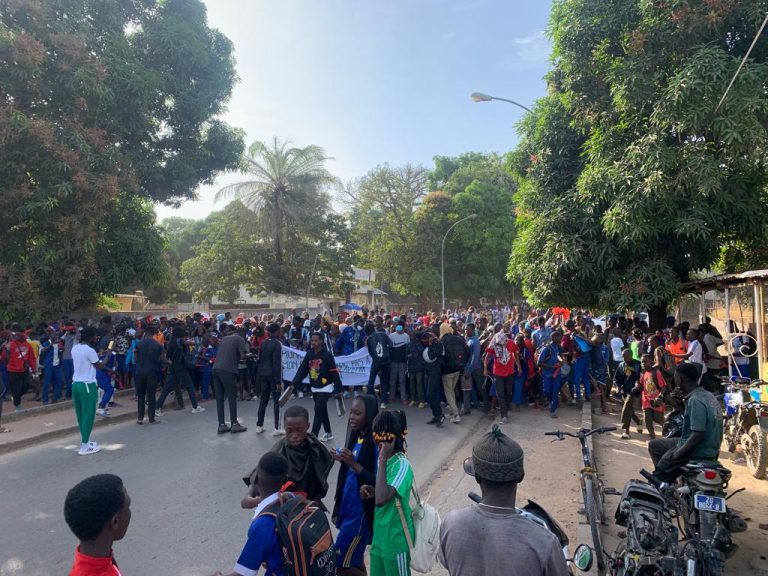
x=100, y=422
x=58, y=407
x=584, y=533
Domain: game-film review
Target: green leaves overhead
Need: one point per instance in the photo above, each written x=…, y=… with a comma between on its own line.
x=105, y=107
x=628, y=180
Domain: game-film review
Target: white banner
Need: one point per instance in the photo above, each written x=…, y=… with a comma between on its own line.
x=353, y=369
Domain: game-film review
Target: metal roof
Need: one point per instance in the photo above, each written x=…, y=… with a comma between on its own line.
x=723, y=280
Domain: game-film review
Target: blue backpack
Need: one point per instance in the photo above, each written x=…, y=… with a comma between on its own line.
x=583, y=344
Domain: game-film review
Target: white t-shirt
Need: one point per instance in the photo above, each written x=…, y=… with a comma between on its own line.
x=616, y=346
x=696, y=354
x=84, y=357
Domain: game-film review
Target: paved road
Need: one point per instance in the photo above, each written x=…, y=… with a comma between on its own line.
x=185, y=482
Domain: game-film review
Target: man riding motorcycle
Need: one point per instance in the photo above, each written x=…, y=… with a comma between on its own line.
x=702, y=427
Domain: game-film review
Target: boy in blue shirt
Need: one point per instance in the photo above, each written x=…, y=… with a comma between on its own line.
x=263, y=545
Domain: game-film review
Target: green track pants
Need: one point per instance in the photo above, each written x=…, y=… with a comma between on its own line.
x=84, y=397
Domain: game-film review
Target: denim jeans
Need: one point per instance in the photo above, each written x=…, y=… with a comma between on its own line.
x=53, y=375
x=381, y=370
x=551, y=388
x=398, y=380
x=579, y=374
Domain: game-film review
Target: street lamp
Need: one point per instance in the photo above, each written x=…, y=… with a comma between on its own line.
x=442, y=253
x=480, y=97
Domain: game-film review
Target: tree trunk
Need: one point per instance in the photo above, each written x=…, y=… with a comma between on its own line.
x=657, y=317
x=278, y=230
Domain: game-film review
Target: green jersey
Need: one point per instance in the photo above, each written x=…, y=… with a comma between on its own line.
x=703, y=414
x=388, y=535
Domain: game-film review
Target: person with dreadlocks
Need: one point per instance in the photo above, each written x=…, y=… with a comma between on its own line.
x=390, y=554
x=492, y=537
x=352, y=515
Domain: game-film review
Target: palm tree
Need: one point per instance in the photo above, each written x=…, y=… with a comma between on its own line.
x=288, y=186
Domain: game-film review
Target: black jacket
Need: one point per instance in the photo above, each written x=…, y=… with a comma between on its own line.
x=271, y=360
x=318, y=366
x=366, y=459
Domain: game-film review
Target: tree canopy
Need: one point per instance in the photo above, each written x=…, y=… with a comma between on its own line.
x=400, y=215
x=629, y=179
x=105, y=107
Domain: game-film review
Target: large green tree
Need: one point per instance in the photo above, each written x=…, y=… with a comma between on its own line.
x=630, y=177
x=400, y=215
x=288, y=190
x=232, y=253
x=105, y=107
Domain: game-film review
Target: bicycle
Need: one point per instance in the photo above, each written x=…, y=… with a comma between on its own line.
x=592, y=490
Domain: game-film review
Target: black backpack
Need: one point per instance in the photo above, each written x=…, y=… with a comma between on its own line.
x=456, y=354
x=305, y=536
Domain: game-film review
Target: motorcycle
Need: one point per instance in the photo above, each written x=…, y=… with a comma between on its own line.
x=652, y=512
x=582, y=557
x=650, y=545
x=745, y=423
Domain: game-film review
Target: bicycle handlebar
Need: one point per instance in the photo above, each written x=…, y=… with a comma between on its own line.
x=583, y=433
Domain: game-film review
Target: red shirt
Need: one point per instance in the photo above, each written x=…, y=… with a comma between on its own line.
x=652, y=383
x=91, y=566
x=510, y=367
x=18, y=353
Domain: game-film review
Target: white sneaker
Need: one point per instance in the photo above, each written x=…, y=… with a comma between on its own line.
x=158, y=413
x=278, y=432
x=102, y=412
x=383, y=406
x=90, y=448
x=328, y=437
x=301, y=394
x=197, y=410
x=259, y=429
x=455, y=420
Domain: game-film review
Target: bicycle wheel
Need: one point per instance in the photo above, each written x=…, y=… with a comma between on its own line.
x=590, y=505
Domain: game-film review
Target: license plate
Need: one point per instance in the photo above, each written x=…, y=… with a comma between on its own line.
x=710, y=503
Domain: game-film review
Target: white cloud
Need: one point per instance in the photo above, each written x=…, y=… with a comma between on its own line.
x=531, y=51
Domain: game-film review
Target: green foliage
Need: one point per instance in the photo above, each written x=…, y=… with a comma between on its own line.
x=105, y=107
x=288, y=195
x=629, y=180
x=107, y=303
x=398, y=227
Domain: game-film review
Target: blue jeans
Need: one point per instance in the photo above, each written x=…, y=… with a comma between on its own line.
x=381, y=370
x=518, y=394
x=551, y=388
x=105, y=383
x=579, y=374
x=68, y=367
x=52, y=375
x=205, y=384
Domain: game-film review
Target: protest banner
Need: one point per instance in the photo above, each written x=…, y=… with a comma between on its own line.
x=353, y=369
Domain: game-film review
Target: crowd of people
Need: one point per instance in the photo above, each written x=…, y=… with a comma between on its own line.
x=498, y=360
x=495, y=361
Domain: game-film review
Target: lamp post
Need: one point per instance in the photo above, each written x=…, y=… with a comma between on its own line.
x=442, y=253
x=480, y=97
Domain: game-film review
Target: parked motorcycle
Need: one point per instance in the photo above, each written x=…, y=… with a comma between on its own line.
x=650, y=544
x=582, y=557
x=745, y=423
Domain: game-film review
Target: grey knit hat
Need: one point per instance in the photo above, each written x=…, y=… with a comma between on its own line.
x=497, y=458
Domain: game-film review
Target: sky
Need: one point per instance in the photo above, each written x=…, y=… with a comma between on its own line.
x=376, y=82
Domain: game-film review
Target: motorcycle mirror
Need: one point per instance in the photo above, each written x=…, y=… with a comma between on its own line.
x=582, y=558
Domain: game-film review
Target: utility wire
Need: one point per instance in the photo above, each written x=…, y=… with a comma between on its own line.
x=743, y=61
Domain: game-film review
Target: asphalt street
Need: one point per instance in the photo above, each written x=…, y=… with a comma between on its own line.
x=185, y=483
